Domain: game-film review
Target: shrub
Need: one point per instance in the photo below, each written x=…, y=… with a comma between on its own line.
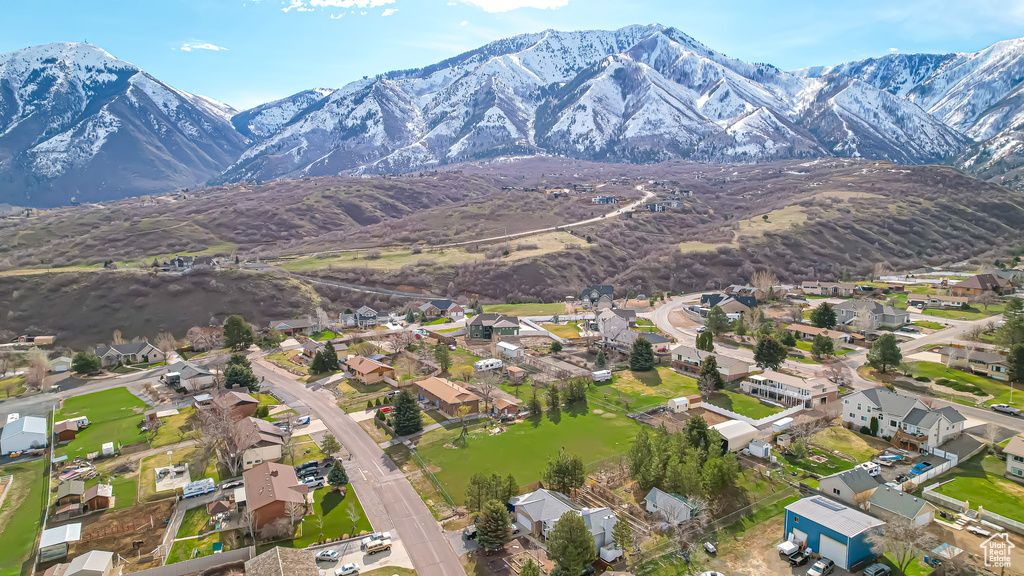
x=865, y=430
x=369, y=404
x=923, y=379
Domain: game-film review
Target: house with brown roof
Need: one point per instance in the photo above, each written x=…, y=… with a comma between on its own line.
x=369, y=371
x=269, y=489
x=65, y=431
x=447, y=396
x=990, y=364
x=809, y=332
x=259, y=440
x=790, y=390
x=98, y=497
x=689, y=359
x=980, y=283
x=238, y=402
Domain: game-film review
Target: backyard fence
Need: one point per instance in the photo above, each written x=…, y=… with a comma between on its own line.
x=1011, y=525
x=433, y=479
x=200, y=564
x=756, y=423
x=930, y=493
x=916, y=480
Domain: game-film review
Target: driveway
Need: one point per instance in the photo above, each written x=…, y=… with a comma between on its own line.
x=350, y=551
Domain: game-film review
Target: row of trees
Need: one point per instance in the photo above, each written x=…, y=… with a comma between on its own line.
x=689, y=462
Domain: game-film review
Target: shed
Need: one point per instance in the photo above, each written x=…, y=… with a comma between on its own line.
x=684, y=403
x=511, y=350
x=760, y=448
x=53, y=543
x=783, y=440
x=65, y=431
x=92, y=563
x=830, y=529
x=782, y=424
x=736, y=434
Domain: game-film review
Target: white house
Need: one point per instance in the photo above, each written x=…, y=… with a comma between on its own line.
x=92, y=563
x=690, y=359
x=673, y=507
x=539, y=511
x=60, y=364
x=790, y=390
x=511, y=350
x=1015, y=457
x=24, y=434
x=909, y=421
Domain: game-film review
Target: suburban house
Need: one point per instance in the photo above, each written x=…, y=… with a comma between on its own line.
x=203, y=338
x=447, y=396
x=980, y=283
x=511, y=350
x=990, y=364
x=240, y=403
x=828, y=288
x=65, y=431
x=689, y=359
x=129, y=353
x=622, y=340
x=615, y=319
x=809, y=332
x=853, y=486
x=26, y=433
x=92, y=563
x=878, y=313
x=282, y=561
x=539, y=511
x=888, y=503
x=443, y=309
x=293, y=326
x=59, y=364
x=70, y=492
x=723, y=300
x=674, y=508
x=597, y=295
x=1015, y=458
x=98, y=497
x=911, y=424
x=369, y=371
x=269, y=489
x=259, y=440
x=366, y=317
x=189, y=375
x=503, y=407
x=831, y=530
x=936, y=301
x=485, y=326
x=182, y=263
x=790, y=390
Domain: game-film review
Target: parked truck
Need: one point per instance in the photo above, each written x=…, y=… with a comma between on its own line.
x=378, y=546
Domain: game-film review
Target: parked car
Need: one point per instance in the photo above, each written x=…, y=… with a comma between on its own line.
x=587, y=571
x=378, y=546
x=701, y=329
x=328, y=555
x=302, y=421
x=1007, y=409
x=452, y=347
x=821, y=567
x=710, y=548
x=470, y=532
x=877, y=570
x=921, y=468
x=375, y=536
x=385, y=409
x=314, y=482
x=347, y=569
x=909, y=330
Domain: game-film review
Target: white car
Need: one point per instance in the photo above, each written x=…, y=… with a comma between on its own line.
x=327, y=555
x=821, y=568
x=374, y=536
x=346, y=569
x=314, y=482
x=701, y=329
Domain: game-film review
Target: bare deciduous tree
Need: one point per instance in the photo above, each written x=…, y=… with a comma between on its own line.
x=987, y=298
x=406, y=367
x=8, y=361
x=219, y=427
x=902, y=540
x=837, y=373
x=486, y=387
x=764, y=281
x=166, y=343
x=321, y=319
x=116, y=338
x=295, y=511
x=38, y=364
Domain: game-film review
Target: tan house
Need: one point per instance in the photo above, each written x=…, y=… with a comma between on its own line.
x=1015, y=458
x=369, y=371
x=239, y=403
x=989, y=364
x=980, y=283
x=447, y=396
x=269, y=489
x=259, y=440
x=809, y=332
x=936, y=301
x=790, y=390
x=828, y=288
x=689, y=359
x=129, y=353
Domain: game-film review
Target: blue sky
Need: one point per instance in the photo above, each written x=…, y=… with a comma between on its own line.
x=245, y=52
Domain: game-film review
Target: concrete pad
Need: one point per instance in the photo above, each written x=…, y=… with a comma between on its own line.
x=926, y=357
x=315, y=426
x=350, y=551
x=278, y=408
x=171, y=481
x=290, y=344
x=363, y=415
x=166, y=413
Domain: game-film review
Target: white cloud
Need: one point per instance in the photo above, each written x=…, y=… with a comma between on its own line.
x=894, y=49
x=190, y=46
x=453, y=3
x=464, y=23
x=337, y=16
x=507, y=5
x=348, y=3
x=389, y=11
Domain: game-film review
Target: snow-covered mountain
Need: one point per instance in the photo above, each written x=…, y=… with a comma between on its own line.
x=637, y=94
x=75, y=122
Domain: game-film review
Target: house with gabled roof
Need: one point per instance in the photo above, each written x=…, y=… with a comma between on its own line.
x=539, y=511
x=888, y=503
x=129, y=353
x=910, y=423
x=366, y=317
x=283, y=561
x=443, y=309
x=269, y=489
x=236, y=401
x=1014, y=452
x=447, y=396
x=486, y=326
x=292, y=326
x=879, y=314
x=690, y=359
x=989, y=364
x=852, y=486
x=369, y=371
x=258, y=440
x=598, y=295
x=981, y=283
x=674, y=508
x=791, y=390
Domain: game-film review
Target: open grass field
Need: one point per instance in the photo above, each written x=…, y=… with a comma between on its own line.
x=462, y=357
x=645, y=389
x=114, y=416
x=183, y=549
x=534, y=309
x=999, y=390
x=176, y=428
x=524, y=449
x=20, y=515
x=567, y=330
x=969, y=313
x=195, y=522
x=742, y=404
x=12, y=386
x=929, y=324
x=980, y=481
x=341, y=515
x=831, y=465
x=325, y=335
x=149, y=464
x=125, y=491
x=860, y=447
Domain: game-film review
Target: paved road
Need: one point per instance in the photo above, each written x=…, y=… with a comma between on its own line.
x=40, y=404
x=385, y=493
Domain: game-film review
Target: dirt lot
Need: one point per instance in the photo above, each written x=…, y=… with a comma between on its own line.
x=676, y=422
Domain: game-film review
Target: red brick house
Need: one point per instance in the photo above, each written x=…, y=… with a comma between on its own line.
x=269, y=488
x=447, y=396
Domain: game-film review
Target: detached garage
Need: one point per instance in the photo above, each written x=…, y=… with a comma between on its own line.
x=735, y=434
x=831, y=530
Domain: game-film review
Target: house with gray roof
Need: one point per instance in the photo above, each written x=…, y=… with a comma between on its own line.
x=690, y=359
x=129, y=353
x=674, y=508
x=622, y=340
x=877, y=313
x=597, y=295
x=989, y=364
x=539, y=511
x=853, y=487
x=486, y=326
x=910, y=423
x=888, y=503
x=443, y=309
x=366, y=317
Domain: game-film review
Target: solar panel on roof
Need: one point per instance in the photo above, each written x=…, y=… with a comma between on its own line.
x=834, y=506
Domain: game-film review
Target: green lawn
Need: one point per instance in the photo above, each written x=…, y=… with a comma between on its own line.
x=12, y=386
x=325, y=335
x=460, y=356
x=266, y=399
x=125, y=490
x=744, y=405
x=980, y=481
x=341, y=516
x=860, y=447
x=527, y=309
x=969, y=382
x=437, y=322
x=195, y=522
x=929, y=324
x=182, y=549
x=114, y=416
x=969, y=313
x=644, y=390
x=524, y=449
x=567, y=330
x=303, y=450
x=806, y=347
x=831, y=465
x=20, y=515
x=175, y=428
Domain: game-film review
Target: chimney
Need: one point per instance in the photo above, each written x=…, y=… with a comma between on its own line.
x=273, y=473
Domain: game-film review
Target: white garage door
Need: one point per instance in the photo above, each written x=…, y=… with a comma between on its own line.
x=799, y=537
x=832, y=550
x=60, y=368
x=524, y=522
x=924, y=519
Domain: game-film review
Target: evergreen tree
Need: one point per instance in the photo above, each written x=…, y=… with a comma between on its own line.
x=641, y=357
x=410, y=318
x=511, y=488
x=529, y=568
x=442, y=357
x=788, y=338
x=236, y=375
x=85, y=363
x=317, y=365
x=739, y=327
x=1011, y=332
x=720, y=473
x=533, y=406
x=337, y=477
x=493, y=529
x=717, y=321
x=822, y=346
x=824, y=316
x=768, y=353
x=706, y=341
x=571, y=545
x=709, y=369
x=239, y=359
x=565, y=473
x=553, y=401
x=1015, y=364
x=408, y=419
x=556, y=347
x=477, y=492
x=601, y=360
x=885, y=353
x=330, y=445
x=874, y=426
x=622, y=535
x=238, y=334
x=330, y=357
